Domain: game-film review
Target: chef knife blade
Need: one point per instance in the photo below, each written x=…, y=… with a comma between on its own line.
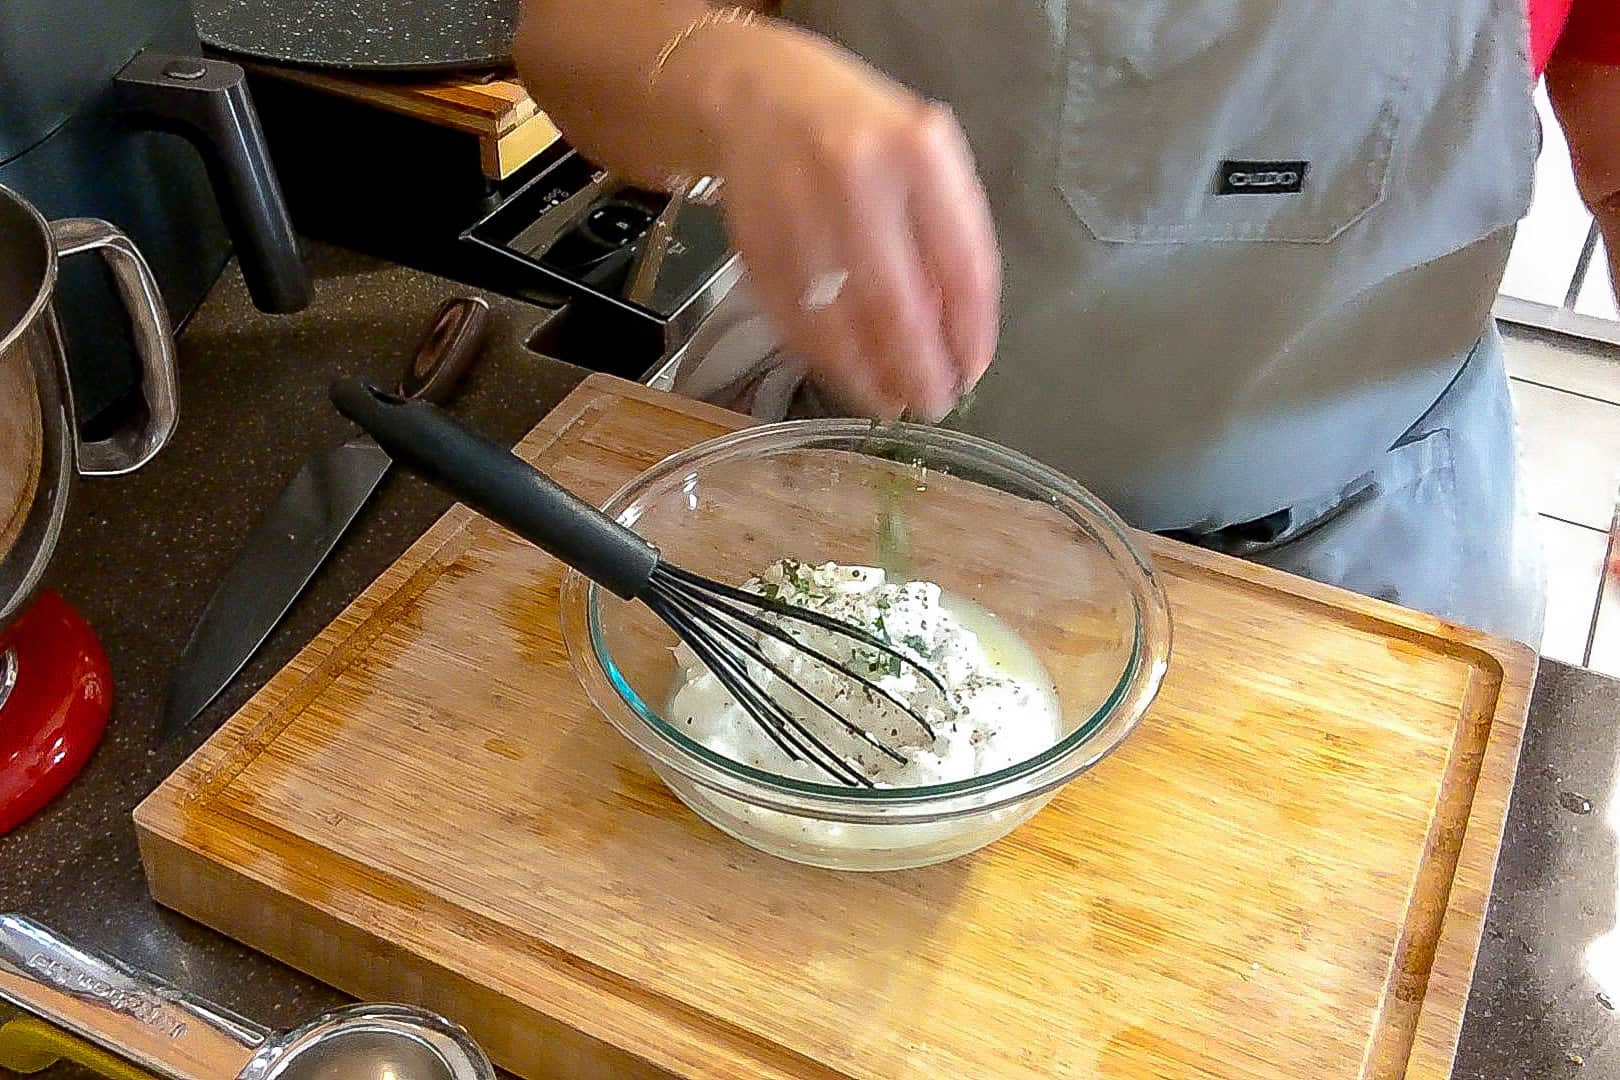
x=301, y=528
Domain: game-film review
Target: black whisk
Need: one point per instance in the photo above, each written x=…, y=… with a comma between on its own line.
x=712, y=618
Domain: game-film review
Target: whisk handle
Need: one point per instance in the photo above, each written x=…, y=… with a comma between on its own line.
x=500, y=485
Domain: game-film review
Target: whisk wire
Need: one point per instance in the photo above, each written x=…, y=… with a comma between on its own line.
x=697, y=638
x=753, y=651
x=666, y=572
x=764, y=710
x=754, y=622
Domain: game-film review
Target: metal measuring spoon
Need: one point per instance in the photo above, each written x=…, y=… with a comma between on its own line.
x=176, y=1035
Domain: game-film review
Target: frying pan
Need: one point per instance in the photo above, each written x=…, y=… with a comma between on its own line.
x=363, y=35
x=169, y=1033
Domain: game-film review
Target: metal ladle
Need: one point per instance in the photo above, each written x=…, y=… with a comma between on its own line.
x=173, y=1034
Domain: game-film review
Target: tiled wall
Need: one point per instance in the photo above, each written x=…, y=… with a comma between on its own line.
x=1567, y=395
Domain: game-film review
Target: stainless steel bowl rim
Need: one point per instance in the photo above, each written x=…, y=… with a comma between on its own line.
x=1072, y=755
x=22, y=575
x=42, y=297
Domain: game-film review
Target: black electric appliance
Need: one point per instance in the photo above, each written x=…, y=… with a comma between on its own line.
x=631, y=256
x=557, y=232
x=98, y=102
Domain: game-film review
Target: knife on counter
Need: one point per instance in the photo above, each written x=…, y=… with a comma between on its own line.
x=304, y=524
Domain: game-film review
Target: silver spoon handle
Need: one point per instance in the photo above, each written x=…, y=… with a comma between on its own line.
x=128, y=1012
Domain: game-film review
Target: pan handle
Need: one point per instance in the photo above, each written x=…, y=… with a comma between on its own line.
x=128, y=1012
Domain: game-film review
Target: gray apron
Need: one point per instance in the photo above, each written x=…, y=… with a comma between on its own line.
x=1250, y=253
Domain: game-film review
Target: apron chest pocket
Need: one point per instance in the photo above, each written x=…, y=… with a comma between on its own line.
x=1230, y=119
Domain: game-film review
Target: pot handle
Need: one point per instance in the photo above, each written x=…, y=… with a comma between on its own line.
x=129, y=449
x=128, y=1012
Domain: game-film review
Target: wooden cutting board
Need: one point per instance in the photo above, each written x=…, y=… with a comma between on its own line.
x=1282, y=873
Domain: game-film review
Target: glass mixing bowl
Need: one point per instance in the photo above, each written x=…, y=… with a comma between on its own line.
x=987, y=524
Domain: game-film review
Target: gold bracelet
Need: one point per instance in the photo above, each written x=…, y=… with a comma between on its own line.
x=723, y=16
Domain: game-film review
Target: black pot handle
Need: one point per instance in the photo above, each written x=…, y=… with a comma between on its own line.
x=500, y=485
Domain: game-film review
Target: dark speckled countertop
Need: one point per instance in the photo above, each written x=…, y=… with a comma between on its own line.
x=141, y=554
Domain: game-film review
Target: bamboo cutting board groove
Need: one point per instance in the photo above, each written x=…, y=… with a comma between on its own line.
x=1282, y=873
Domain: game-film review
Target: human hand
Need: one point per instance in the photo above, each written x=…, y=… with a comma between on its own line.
x=858, y=210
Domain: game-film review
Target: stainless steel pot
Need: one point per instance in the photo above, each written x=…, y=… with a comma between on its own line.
x=40, y=448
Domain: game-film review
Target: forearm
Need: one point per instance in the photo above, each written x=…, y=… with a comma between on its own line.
x=1609, y=225
x=1586, y=100
x=589, y=63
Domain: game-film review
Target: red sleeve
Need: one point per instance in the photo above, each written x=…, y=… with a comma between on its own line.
x=1591, y=32
x=1547, y=20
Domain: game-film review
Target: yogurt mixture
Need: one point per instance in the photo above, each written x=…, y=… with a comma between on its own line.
x=999, y=705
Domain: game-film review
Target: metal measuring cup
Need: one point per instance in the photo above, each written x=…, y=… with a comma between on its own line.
x=173, y=1034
